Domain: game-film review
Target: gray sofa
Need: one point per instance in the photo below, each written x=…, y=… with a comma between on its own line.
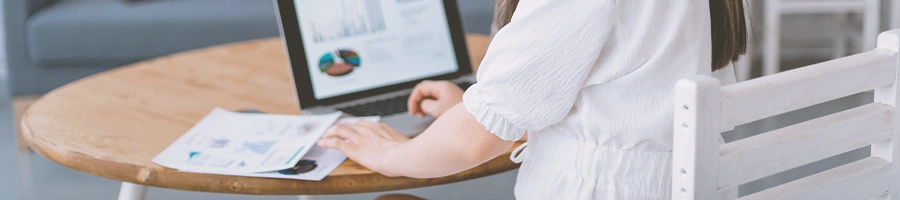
x=53, y=42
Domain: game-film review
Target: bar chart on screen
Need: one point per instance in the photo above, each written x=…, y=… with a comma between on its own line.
x=350, y=18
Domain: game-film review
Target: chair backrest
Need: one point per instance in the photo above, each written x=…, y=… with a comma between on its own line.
x=705, y=168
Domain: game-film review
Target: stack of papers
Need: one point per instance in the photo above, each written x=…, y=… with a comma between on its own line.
x=257, y=145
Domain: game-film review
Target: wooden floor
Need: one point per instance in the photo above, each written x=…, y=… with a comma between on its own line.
x=19, y=104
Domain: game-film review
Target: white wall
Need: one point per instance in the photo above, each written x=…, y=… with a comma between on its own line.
x=3, y=74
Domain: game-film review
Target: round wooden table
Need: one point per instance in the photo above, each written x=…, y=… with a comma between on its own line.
x=113, y=123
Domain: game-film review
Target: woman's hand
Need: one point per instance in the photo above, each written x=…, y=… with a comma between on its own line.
x=367, y=143
x=434, y=98
x=453, y=143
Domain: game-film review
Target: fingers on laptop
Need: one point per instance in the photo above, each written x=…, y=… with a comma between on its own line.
x=430, y=106
x=428, y=92
x=420, y=92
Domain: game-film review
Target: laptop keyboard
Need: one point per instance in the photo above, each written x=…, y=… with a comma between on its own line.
x=385, y=107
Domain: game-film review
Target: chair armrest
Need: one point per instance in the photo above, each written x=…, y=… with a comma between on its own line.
x=14, y=15
x=33, y=5
x=29, y=6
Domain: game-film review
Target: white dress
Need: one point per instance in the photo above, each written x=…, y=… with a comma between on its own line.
x=592, y=82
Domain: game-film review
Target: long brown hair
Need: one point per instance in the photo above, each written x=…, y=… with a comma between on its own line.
x=727, y=20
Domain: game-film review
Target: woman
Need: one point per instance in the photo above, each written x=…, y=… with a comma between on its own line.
x=591, y=81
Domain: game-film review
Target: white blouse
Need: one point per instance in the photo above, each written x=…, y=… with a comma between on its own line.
x=592, y=81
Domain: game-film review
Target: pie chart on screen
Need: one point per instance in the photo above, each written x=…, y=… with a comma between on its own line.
x=339, y=62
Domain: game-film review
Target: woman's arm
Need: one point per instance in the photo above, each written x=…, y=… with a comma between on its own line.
x=529, y=80
x=453, y=143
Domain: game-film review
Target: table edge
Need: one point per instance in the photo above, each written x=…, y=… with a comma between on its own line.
x=144, y=176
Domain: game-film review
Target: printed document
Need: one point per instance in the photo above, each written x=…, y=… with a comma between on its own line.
x=314, y=166
x=232, y=142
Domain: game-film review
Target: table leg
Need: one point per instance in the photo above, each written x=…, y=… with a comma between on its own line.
x=306, y=197
x=131, y=191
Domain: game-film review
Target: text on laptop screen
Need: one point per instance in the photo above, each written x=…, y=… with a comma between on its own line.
x=355, y=45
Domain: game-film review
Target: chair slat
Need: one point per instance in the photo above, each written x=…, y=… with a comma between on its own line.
x=866, y=178
x=803, y=143
x=791, y=90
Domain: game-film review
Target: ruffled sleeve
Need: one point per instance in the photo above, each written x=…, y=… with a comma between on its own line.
x=536, y=65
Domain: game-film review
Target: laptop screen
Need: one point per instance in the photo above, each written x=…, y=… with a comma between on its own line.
x=355, y=45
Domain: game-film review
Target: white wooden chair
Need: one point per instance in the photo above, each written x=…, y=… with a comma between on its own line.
x=705, y=167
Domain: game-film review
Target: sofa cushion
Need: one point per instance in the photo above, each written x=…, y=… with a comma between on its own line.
x=73, y=33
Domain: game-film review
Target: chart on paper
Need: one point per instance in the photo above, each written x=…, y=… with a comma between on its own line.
x=348, y=18
x=227, y=141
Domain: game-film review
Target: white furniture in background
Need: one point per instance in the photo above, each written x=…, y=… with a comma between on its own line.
x=704, y=167
x=895, y=14
x=774, y=9
x=743, y=66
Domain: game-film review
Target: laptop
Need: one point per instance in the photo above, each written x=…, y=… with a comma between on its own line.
x=364, y=57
